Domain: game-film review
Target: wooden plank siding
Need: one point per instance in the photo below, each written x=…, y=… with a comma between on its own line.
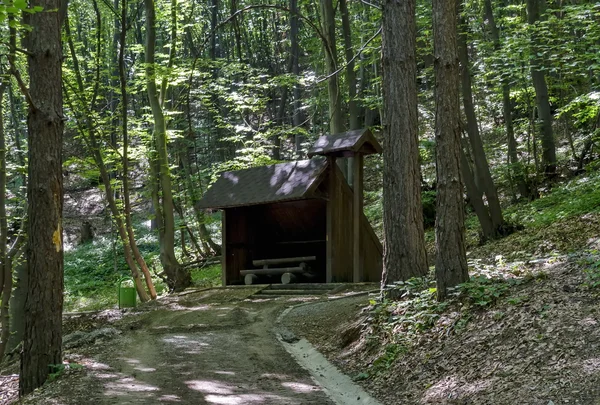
x=342, y=226
x=237, y=245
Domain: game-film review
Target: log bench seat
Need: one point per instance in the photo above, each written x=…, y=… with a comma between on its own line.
x=288, y=274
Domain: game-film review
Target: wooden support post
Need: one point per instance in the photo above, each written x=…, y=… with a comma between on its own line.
x=223, y=248
x=357, y=212
x=250, y=279
x=288, y=278
x=332, y=198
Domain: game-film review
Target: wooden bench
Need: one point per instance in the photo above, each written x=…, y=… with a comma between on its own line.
x=288, y=274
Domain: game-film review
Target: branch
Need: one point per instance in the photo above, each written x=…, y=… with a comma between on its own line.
x=360, y=51
x=370, y=4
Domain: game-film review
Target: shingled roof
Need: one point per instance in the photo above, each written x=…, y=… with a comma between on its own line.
x=359, y=140
x=265, y=184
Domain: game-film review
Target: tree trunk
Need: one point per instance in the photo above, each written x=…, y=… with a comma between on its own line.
x=517, y=169
x=451, y=261
x=17, y=307
x=89, y=136
x=45, y=122
x=336, y=120
x=483, y=177
x=476, y=198
x=541, y=93
x=124, y=122
x=6, y=270
x=405, y=254
x=178, y=278
x=350, y=78
x=298, y=116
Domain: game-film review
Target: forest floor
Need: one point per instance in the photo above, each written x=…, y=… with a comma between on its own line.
x=212, y=346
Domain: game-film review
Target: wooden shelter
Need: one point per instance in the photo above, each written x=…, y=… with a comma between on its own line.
x=299, y=220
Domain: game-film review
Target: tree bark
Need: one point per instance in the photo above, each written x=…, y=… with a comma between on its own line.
x=541, y=93
x=336, y=120
x=518, y=172
x=125, y=161
x=482, y=175
x=350, y=78
x=405, y=254
x=451, y=261
x=298, y=116
x=178, y=278
x=45, y=122
x=88, y=131
x=476, y=198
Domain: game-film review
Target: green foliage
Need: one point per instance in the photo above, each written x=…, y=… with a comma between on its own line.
x=577, y=197
x=481, y=291
x=92, y=271
x=592, y=270
x=207, y=277
x=398, y=322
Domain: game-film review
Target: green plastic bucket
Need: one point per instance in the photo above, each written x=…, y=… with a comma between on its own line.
x=127, y=295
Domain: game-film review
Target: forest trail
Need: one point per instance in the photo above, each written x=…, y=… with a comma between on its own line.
x=212, y=347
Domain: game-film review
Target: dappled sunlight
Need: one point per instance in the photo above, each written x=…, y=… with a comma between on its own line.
x=169, y=398
x=218, y=392
x=126, y=385
x=145, y=369
x=264, y=184
x=105, y=376
x=231, y=177
x=591, y=366
x=190, y=346
x=238, y=399
x=224, y=372
x=210, y=387
x=280, y=377
x=300, y=387
x=453, y=388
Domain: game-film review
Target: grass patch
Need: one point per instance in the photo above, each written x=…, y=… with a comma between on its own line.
x=209, y=276
x=92, y=272
x=577, y=197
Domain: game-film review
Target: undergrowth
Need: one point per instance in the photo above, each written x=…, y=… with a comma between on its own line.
x=93, y=271
x=401, y=323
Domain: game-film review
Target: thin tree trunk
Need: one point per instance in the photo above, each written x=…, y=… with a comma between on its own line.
x=124, y=126
x=405, y=255
x=476, y=198
x=298, y=116
x=5, y=265
x=336, y=120
x=89, y=133
x=541, y=93
x=518, y=172
x=483, y=177
x=178, y=277
x=451, y=261
x=42, y=349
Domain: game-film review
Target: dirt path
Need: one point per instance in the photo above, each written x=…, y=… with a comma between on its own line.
x=202, y=349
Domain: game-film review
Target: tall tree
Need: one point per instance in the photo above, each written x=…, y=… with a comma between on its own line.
x=451, y=260
x=178, y=277
x=517, y=170
x=45, y=122
x=405, y=254
x=544, y=112
x=336, y=118
x=482, y=174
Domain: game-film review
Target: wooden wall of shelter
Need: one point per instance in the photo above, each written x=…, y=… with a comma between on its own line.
x=302, y=208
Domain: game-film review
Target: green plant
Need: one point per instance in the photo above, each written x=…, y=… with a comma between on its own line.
x=482, y=291
x=592, y=272
x=388, y=357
